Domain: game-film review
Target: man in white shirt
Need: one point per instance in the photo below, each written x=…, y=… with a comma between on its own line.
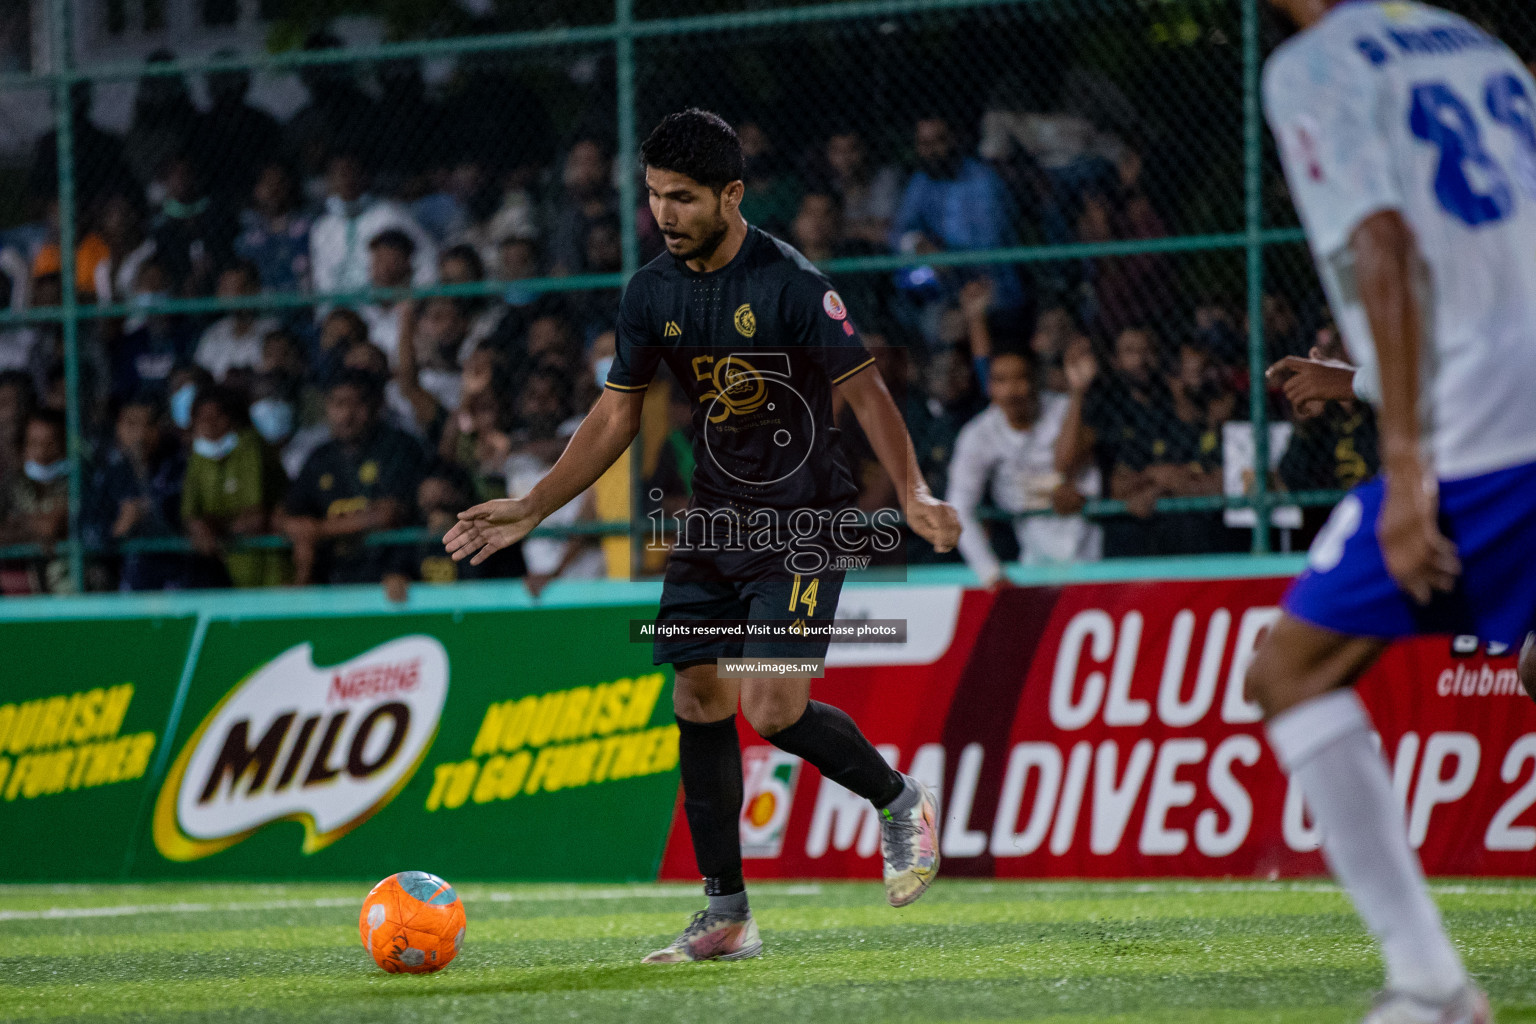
x=338, y=242
x=1012, y=446
x=1409, y=146
x=234, y=341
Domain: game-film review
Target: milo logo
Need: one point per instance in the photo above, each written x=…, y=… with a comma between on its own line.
x=327, y=747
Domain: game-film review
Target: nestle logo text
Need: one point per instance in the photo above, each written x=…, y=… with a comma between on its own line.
x=369, y=681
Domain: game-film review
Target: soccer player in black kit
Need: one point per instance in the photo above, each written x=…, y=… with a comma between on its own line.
x=759, y=339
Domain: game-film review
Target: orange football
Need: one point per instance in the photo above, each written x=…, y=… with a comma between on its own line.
x=412, y=922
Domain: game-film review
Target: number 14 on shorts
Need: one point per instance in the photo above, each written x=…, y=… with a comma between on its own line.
x=805, y=596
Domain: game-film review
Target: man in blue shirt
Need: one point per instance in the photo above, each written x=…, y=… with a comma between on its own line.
x=953, y=201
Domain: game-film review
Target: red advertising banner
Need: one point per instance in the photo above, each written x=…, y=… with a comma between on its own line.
x=1101, y=731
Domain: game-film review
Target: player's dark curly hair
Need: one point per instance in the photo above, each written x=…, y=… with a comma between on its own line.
x=696, y=143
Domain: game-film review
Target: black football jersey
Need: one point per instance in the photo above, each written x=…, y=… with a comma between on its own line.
x=759, y=345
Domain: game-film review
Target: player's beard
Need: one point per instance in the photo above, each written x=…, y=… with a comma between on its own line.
x=710, y=242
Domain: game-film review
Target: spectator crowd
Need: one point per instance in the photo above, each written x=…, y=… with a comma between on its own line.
x=348, y=427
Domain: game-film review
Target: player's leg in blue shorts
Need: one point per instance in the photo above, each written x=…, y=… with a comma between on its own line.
x=1492, y=521
x=1340, y=614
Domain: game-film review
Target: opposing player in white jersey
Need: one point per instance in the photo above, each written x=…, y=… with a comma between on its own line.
x=1409, y=142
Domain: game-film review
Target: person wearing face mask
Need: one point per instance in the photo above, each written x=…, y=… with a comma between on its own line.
x=284, y=356
x=194, y=235
x=275, y=402
x=136, y=493
x=186, y=381
x=233, y=482
x=34, y=508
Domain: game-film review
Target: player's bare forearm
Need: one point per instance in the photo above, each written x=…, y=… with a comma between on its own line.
x=930, y=518
x=602, y=437
x=1385, y=255
x=887, y=432
x=597, y=444
x=1418, y=556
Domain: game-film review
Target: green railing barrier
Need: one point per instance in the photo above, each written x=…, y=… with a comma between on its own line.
x=1095, y=509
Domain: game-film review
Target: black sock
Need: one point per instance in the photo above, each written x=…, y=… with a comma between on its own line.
x=829, y=739
x=710, y=758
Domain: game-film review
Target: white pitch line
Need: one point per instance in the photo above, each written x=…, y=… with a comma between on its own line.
x=674, y=891
x=66, y=913
x=472, y=896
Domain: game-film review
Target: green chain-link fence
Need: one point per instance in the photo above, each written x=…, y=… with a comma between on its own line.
x=1088, y=181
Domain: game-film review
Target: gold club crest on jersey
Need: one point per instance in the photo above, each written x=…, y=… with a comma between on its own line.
x=746, y=320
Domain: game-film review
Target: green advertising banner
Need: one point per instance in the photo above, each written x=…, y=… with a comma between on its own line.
x=527, y=744
x=82, y=708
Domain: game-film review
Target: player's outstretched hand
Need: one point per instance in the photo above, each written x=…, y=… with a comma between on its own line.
x=1420, y=558
x=935, y=521
x=487, y=528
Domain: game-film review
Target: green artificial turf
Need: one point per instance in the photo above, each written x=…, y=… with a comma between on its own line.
x=969, y=951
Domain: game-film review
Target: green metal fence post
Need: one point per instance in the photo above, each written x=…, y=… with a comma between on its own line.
x=629, y=194
x=1253, y=186
x=628, y=148
x=62, y=42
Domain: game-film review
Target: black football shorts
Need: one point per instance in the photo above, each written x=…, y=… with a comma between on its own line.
x=694, y=590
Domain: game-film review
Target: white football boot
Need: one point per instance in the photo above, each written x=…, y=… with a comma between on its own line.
x=909, y=845
x=711, y=937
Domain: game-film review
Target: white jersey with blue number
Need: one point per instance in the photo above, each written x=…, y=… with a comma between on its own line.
x=1403, y=106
